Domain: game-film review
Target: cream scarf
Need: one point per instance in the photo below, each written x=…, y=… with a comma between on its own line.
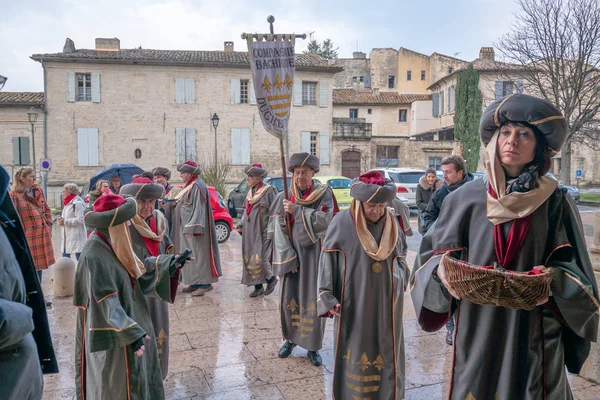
x=508, y=207
x=315, y=195
x=120, y=239
x=258, y=195
x=389, y=238
x=143, y=229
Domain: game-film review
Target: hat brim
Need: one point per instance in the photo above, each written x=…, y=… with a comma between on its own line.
x=105, y=219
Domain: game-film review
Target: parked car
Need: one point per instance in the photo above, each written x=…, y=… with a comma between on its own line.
x=341, y=189
x=237, y=196
x=572, y=190
x=406, y=180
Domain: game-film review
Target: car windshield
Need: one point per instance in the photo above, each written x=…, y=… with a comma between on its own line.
x=278, y=183
x=406, y=177
x=339, y=183
x=221, y=200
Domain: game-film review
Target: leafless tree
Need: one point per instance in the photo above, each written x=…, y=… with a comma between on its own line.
x=557, y=44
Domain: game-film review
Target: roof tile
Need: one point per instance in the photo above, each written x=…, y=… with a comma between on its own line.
x=352, y=97
x=22, y=98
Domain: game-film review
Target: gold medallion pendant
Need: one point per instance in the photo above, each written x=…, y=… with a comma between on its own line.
x=376, y=267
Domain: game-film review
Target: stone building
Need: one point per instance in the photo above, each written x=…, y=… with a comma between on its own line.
x=153, y=107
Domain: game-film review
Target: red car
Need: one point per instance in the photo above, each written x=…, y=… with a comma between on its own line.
x=220, y=212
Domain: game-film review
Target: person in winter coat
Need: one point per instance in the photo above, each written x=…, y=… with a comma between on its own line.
x=428, y=184
x=36, y=217
x=73, y=232
x=102, y=187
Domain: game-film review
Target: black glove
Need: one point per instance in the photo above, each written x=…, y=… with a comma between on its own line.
x=138, y=344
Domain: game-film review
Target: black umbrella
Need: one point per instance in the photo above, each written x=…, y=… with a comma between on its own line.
x=124, y=171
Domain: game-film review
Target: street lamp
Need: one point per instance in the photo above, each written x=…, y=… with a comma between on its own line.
x=32, y=116
x=215, y=123
x=3, y=80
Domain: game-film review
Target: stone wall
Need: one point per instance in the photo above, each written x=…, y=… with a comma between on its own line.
x=414, y=62
x=439, y=64
x=353, y=67
x=384, y=63
x=385, y=119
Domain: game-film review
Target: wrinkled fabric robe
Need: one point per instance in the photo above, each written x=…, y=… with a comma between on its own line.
x=298, y=304
x=256, y=245
x=368, y=337
x=502, y=353
x=157, y=307
x=193, y=215
x=112, y=315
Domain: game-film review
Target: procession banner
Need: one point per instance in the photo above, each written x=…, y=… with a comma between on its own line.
x=273, y=66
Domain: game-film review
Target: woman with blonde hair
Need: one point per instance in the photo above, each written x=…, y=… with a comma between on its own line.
x=74, y=234
x=102, y=187
x=36, y=217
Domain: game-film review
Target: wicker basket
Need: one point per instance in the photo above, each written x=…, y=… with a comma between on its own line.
x=496, y=286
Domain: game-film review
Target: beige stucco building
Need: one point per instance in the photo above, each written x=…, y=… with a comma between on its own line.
x=154, y=107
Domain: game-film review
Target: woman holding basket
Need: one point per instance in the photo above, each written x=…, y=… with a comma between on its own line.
x=509, y=255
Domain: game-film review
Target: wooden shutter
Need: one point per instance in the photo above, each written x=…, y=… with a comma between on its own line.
x=71, y=86
x=93, y=146
x=498, y=89
x=519, y=86
x=435, y=102
x=323, y=94
x=87, y=146
x=323, y=147
x=179, y=90
x=236, y=151
x=305, y=142
x=180, y=145
x=449, y=98
x=245, y=145
x=235, y=91
x=441, y=102
x=190, y=144
x=367, y=81
x=189, y=91
x=252, y=94
x=95, y=87
x=298, y=93
x=21, y=150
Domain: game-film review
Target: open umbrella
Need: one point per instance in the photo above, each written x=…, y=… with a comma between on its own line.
x=123, y=171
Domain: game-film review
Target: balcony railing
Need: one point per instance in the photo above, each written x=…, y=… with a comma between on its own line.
x=351, y=129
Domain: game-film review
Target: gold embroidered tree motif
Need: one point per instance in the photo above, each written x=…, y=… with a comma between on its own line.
x=348, y=357
x=379, y=363
x=363, y=362
x=162, y=337
x=288, y=82
x=292, y=306
x=278, y=83
x=312, y=309
x=267, y=84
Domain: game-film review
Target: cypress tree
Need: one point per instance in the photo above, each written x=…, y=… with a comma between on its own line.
x=467, y=115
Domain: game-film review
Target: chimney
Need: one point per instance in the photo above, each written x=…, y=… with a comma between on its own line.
x=487, y=53
x=108, y=44
x=69, y=46
x=359, y=54
x=228, y=46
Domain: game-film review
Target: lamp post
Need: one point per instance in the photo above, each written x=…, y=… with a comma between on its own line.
x=32, y=116
x=215, y=123
x=3, y=80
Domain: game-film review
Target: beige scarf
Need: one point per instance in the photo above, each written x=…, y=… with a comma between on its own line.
x=514, y=205
x=258, y=195
x=315, y=195
x=183, y=192
x=120, y=239
x=143, y=229
x=389, y=238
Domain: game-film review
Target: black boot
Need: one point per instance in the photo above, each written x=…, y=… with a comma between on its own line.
x=286, y=349
x=258, y=290
x=314, y=358
x=271, y=283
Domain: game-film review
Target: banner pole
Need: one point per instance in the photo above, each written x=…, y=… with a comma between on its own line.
x=288, y=217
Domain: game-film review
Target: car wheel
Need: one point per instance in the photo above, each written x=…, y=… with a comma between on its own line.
x=223, y=231
x=232, y=210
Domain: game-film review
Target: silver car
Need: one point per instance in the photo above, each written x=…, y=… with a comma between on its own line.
x=406, y=180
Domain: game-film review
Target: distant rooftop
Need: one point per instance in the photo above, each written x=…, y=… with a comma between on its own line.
x=352, y=97
x=22, y=98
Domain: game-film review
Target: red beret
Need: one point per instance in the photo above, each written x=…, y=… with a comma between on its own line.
x=191, y=163
x=108, y=202
x=142, y=179
x=372, y=178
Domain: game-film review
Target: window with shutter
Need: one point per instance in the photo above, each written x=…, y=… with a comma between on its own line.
x=402, y=115
x=297, y=91
x=235, y=91
x=305, y=142
x=367, y=81
x=21, y=150
x=323, y=94
x=441, y=102
x=309, y=93
x=71, y=86
x=240, y=146
x=244, y=94
x=324, y=148
x=391, y=82
x=252, y=94
x=498, y=90
x=95, y=87
x=190, y=91
x=185, y=145
x=84, y=87
x=179, y=145
x=353, y=113
x=435, y=104
x=449, y=98
x=519, y=86
x=409, y=75
x=87, y=147
x=179, y=90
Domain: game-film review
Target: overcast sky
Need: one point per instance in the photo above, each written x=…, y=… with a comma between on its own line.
x=456, y=28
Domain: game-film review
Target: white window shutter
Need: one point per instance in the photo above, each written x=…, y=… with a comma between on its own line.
x=298, y=93
x=305, y=142
x=190, y=91
x=235, y=91
x=324, y=147
x=179, y=90
x=71, y=86
x=190, y=144
x=93, y=146
x=323, y=94
x=252, y=94
x=236, y=147
x=95, y=87
x=180, y=145
x=245, y=145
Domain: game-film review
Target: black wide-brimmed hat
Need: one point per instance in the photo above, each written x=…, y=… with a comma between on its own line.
x=539, y=113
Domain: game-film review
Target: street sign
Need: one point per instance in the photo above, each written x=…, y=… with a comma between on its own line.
x=578, y=174
x=45, y=165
